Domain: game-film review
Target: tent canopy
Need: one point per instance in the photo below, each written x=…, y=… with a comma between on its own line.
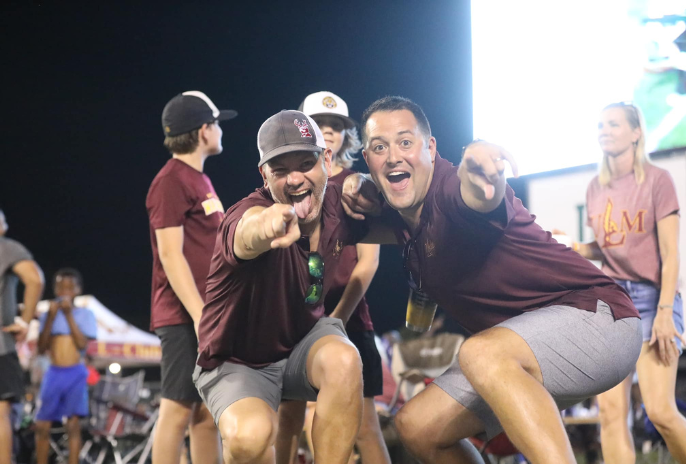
x=118, y=341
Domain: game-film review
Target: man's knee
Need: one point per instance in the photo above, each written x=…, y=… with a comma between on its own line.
x=249, y=438
x=413, y=437
x=661, y=414
x=486, y=357
x=201, y=417
x=175, y=414
x=476, y=357
x=612, y=410
x=342, y=365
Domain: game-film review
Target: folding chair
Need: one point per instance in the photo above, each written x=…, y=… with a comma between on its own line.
x=117, y=428
x=415, y=363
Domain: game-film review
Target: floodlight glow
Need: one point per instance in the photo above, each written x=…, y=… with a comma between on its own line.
x=543, y=71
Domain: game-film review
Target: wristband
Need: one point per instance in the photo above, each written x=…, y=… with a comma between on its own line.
x=661, y=306
x=19, y=321
x=576, y=246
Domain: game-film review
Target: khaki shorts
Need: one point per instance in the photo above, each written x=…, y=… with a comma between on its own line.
x=285, y=379
x=580, y=353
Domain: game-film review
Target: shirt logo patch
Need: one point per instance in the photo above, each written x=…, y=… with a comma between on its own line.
x=212, y=205
x=614, y=234
x=303, y=127
x=338, y=248
x=329, y=102
x=430, y=248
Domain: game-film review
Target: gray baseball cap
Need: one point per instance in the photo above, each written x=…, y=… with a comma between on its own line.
x=286, y=132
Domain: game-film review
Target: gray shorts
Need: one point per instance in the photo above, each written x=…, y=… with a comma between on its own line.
x=285, y=379
x=580, y=354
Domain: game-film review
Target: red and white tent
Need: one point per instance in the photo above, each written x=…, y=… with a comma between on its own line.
x=118, y=341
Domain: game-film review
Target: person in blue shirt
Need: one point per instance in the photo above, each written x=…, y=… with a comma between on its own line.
x=64, y=331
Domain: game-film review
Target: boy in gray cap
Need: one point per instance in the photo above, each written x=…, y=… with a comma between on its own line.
x=262, y=334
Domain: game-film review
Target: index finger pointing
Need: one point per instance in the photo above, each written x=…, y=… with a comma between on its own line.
x=510, y=159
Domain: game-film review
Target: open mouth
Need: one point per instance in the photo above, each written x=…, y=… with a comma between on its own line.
x=398, y=179
x=302, y=202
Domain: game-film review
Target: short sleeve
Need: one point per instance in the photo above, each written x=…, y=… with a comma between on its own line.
x=12, y=253
x=449, y=200
x=227, y=228
x=664, y=196
x=88, y=324
x=168, y=202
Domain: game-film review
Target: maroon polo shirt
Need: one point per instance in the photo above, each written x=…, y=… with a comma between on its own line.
x=181, y=196
x=255, y=310
x=359, y=320
x=486, y=268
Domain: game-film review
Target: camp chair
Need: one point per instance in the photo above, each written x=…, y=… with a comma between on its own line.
x=116, y=426
x=416, y=362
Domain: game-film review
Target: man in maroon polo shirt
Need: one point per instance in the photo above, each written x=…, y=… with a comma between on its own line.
x=262, y=334
x=184, y=214
x=550, y=328
x=346, y=298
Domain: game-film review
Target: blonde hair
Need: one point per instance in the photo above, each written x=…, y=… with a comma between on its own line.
x=351, y=145
x=635, y=119
x=351, y=139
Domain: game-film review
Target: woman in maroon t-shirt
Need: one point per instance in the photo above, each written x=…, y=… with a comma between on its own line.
x=345, y=299
x=633, y=209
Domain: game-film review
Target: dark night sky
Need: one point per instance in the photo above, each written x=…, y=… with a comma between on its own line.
x=83, y=88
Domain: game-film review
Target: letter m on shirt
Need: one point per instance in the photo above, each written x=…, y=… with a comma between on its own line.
x=638, y=223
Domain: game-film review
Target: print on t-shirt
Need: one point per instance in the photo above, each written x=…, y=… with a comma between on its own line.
x=613, y=235
x=212, y=205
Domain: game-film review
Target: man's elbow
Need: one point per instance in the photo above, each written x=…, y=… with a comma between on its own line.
x=169, y=256
x=33, y=278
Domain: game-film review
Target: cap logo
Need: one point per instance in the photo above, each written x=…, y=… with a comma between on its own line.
x=329, y=102
x=303, y=127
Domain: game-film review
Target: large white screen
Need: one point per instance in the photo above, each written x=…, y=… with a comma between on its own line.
x=543, y=70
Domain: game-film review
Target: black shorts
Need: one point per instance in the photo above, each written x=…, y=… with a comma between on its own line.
x=12, y=378
x=372, y=373
x=179, y=352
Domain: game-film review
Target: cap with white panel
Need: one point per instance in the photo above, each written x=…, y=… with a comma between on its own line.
x=327, y=103
x=189, y=111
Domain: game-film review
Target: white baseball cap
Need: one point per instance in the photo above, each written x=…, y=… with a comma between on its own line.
x=327, y=103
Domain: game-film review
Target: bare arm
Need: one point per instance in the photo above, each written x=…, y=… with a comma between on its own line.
x=481, y=173
x=664, y=331
x=46, y=333
x=170, y=247
x=262, y=229
x=361, y=201
x=360, y=279
x=80, y=340
x=31, y=276
x=590, y=250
